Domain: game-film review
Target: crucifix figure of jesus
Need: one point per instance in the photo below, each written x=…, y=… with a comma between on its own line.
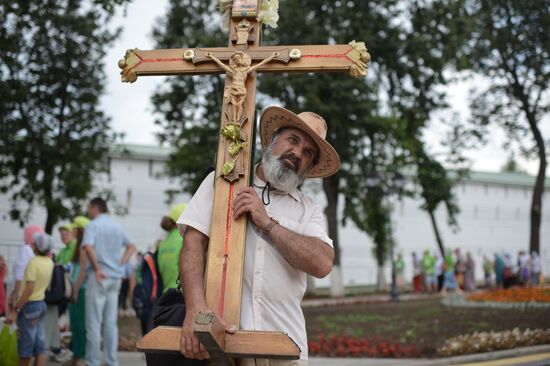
x=239, y=68
x=226, y=247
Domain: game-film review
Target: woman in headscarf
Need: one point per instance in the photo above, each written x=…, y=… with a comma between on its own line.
x=23, y=257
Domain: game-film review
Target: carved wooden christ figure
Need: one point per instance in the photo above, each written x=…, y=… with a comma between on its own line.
x=239, y=68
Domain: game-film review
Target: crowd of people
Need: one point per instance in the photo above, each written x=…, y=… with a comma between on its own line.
x=432, y=273
x=88, y=279
x=286, y=240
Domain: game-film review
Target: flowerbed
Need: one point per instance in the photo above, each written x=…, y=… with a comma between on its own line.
x=349, y=346
x=492, y=341
x=513, y=295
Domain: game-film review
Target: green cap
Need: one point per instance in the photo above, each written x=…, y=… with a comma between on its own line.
x=176, y=211
x=66, y=226
x=80, y=222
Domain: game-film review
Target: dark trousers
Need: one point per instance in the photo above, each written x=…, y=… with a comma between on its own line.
x=124, y=287
x=169, y=310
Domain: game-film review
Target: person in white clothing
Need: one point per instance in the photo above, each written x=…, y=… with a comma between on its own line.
x=286, y=240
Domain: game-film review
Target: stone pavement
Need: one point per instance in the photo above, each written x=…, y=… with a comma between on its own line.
x=527, y=356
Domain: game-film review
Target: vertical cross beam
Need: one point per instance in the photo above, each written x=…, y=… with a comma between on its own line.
x=224, y=268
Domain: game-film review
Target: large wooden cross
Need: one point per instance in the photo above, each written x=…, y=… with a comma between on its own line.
x=241, y=59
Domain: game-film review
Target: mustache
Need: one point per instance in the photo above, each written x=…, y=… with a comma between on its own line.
x=293, y=159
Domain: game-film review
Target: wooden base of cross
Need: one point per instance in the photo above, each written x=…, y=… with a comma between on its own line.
x=222, y=346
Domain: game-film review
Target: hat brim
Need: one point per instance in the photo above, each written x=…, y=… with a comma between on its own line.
x=274, y=118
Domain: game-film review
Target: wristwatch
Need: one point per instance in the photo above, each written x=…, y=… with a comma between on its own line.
x=271, y=225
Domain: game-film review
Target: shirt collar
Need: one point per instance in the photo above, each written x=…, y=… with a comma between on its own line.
x=260, y=183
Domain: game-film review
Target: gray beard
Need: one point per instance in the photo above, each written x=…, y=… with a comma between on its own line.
x=278, y=174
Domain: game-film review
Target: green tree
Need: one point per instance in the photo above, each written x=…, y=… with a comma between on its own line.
x=413, y=83
x=512, y=166
x=53, y=135
x=509, y=44
x=371, y=134
x=189, y=108
x=436, y=189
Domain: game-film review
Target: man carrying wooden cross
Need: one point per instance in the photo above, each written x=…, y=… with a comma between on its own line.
x=285, y=241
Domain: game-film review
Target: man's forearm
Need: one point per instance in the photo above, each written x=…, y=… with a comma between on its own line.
x=25, y=296
x=305, y=253
x=130, y=249
x=192, y=265
x=90, y=253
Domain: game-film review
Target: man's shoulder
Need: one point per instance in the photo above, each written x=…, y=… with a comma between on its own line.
x=41, y=261
x=308, y=200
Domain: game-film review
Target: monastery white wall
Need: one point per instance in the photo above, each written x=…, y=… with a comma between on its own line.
x=494, y=218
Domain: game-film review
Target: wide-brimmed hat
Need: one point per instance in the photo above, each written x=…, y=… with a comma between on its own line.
x=274, y=118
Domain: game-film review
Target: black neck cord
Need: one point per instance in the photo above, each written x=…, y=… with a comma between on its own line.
x=265, y=188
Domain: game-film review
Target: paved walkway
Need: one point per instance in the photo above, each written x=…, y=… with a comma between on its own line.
x=527, y=356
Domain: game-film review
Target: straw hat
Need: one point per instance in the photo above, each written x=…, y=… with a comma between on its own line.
x=275, y=118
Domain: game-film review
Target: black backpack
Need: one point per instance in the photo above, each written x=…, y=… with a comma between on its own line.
x=149, y=290
x=60, y=289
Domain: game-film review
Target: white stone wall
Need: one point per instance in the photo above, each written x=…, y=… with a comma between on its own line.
x=494, y=217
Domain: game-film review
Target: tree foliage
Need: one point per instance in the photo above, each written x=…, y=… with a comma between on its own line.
x=508, y=42
x=374, y=124
x=53, y=135
x=189, y=108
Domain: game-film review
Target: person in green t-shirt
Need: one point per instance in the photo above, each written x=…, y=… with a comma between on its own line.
x=65, y=255
x=399, y=266
x=169, y=249
x=428, y=265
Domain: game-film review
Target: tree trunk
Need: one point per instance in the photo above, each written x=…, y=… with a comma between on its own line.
x=330, y=186
x=520, y=92
x=436, y=232
x=538, y=190
x=51, y=220
x=381, y=279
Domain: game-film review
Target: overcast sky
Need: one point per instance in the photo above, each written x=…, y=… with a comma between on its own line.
x=131, y=111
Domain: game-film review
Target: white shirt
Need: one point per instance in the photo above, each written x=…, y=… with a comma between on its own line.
x=24, y=255
x=272, y=288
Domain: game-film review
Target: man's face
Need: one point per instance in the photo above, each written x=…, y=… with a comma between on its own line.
x=92, y=211
x=296, y=150
x=66, y=236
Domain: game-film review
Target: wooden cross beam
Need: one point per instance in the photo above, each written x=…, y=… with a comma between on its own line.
x=224, y=269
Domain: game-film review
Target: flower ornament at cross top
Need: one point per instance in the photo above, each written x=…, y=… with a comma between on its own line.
x=268, y=14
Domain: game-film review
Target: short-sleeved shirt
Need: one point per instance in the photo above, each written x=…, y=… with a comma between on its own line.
x=108, y=240
x=272, y=288
x=428, y=263
x=39, y=270
x=65, y=255
x=168, y=259
x=399, y=266
x=24, y=255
